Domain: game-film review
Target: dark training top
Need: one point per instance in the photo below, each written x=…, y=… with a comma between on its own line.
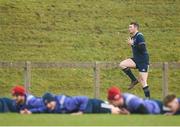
x=140, y=53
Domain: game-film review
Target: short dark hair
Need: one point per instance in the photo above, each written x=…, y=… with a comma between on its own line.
x=168, y=99
x=135, y=24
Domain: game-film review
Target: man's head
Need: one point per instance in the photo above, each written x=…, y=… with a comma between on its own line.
x=49, y=101
x=133, y=27
x=19, y=92
x=171, y=102
x=115, y=97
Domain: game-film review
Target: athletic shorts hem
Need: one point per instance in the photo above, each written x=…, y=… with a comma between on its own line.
x=141, y=66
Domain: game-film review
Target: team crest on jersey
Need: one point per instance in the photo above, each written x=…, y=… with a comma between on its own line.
x=143, y=70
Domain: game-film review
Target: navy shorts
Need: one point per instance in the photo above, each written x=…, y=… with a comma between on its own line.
x=7, y=105
x=141, y=66
x=95, y=106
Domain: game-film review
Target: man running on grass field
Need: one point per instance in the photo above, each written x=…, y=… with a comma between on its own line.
x=140, y=59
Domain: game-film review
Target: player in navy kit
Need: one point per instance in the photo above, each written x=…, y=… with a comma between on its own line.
x=140, y=59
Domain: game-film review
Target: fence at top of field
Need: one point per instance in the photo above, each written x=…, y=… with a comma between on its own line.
x=96, y=66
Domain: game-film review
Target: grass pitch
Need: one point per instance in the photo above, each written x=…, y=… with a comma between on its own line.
x=88, y=120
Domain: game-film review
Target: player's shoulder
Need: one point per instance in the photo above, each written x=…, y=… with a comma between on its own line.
x=29, y=96
x=139, y=35
x=129, y=96
x=58, y=97
x=179, y=100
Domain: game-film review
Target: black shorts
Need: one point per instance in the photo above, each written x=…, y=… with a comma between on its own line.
x=96, y=106
x=141, y=66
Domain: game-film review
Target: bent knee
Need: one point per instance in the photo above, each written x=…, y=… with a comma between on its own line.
x=122, y=65
x=142, y=81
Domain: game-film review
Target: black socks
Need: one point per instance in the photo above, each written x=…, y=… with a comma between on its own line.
x=146, y=92
x=128, y=72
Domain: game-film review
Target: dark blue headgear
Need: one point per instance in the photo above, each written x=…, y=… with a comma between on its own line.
x=48, y=97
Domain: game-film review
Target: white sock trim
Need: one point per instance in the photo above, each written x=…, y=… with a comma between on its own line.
x=145, y=85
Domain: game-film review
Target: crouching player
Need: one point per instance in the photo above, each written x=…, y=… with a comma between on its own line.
x=26, y=103
x=133, y=103
x=76, y=105
x=173, y=103
x=7, y=105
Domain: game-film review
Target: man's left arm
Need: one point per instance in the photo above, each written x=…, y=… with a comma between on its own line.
x=137, y=106
x=35, y=105
x=140, y=41
x=38, y=110
x=82, y=102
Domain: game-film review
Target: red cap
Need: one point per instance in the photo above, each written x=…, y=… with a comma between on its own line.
x=114, y=93
x=18, y=90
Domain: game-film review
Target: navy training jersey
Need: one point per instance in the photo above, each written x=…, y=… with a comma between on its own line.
x=132, y=103
x=140, y=56
x=68, y=104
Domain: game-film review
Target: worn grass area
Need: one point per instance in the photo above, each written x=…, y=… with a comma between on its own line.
x=85, y=30
x=88, y=120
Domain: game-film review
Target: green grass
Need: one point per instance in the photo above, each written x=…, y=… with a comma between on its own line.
x=88, y=120
x=85, y=30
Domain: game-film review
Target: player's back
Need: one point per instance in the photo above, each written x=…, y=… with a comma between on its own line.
x=68, y=104
x=136, y=104
x=153, y=106
x=33, y=101
x=132, y=102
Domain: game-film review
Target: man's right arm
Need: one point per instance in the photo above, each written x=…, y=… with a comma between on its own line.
x=142, y=109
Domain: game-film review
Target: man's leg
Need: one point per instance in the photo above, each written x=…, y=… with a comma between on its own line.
x=11, y=107
x=143, y=80
x=1, y=106
x=125, y=66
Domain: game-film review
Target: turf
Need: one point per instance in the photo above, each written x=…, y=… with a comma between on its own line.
x=88, y=120
x=85, y=30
